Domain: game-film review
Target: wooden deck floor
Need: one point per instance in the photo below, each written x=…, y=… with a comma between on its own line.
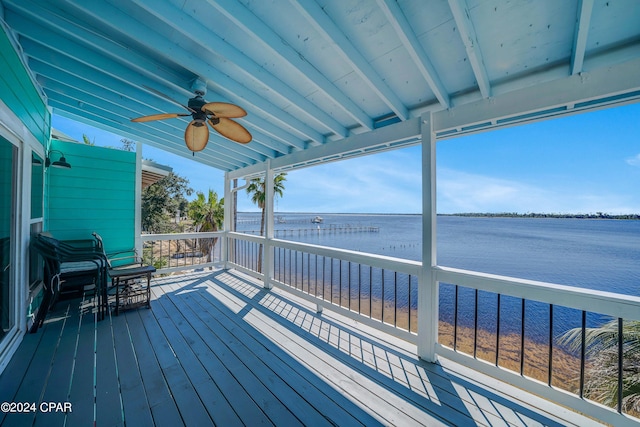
x=217, y=349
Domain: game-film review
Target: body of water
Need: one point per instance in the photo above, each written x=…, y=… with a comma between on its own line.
x=588, y=253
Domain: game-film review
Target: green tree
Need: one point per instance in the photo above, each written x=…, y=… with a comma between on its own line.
x=162, y=201
x=128, y=145
x=87, y=141
x=256, y=190
x=601, y=381
x=207, y=215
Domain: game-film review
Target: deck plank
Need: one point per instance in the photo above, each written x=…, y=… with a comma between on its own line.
x=164, y=410
x=218, y=349
x=109, y=409
x=266, y=355
x=187, y=401
x=266, y=401
x=82, y=389
x=454, y=405
x=329, y=363
x=246, y=409
x=135, y=406
x=37, y=374
x=183, y=338
x=294, y=390
x=17, y=368
x=57, y=388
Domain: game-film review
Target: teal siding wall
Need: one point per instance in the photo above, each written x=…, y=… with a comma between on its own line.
x=96, y=194
x=18, y=92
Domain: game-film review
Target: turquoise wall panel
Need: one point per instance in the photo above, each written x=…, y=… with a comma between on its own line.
x=19, y=94
x=96, y=194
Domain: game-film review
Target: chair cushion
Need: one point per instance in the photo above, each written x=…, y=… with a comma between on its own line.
x=135, y=270
x=78, y=266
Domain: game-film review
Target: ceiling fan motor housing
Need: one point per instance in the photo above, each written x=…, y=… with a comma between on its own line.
x=195, y=105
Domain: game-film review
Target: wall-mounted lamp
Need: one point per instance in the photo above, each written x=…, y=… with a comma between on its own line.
x=62, y=163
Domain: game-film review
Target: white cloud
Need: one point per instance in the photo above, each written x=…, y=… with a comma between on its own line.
x=383, y=183
x=391, y=183
x=464, y=192
x=634, y=161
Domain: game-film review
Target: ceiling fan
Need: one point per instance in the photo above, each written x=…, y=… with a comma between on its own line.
x=218, y=114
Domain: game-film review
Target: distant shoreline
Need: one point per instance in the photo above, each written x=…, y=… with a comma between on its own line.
x=598, y=215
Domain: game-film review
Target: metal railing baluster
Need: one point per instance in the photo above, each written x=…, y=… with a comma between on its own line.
x=395, y=298
x=455, y=319
x=359, y=288
x=409, y=304
x=550, y=373
x=620, y=363
x=475, y=325
x=349, y=284
x=370, y=291
x=522, y=330
x=583, y=351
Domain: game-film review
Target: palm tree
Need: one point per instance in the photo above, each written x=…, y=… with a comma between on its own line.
x=258, y=194
x=601, y=383
x=207, y=215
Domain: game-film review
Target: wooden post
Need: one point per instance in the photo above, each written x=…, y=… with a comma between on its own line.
x=267, y=259
x=428, y=287
x=138, y=202
x=228, y=220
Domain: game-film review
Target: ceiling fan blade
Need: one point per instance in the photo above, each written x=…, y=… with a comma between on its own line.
x=223, y=109
x=230, y=129
x=163, y=116
x=196, y=136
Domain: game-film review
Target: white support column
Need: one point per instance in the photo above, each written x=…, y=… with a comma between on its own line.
x=428, y=290
x=228, y=220
x=267, y=268
x=138, y=201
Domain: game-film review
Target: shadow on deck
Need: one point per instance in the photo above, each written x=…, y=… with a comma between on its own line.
x=217, y=349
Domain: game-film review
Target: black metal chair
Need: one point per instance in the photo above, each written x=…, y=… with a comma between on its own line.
x=70, y=269
x=127, y=271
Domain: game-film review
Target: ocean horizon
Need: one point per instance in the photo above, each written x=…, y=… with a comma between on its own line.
x=597, y=254
x=588, y=253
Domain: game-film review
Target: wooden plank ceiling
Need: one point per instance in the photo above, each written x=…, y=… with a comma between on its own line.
x=308, y=72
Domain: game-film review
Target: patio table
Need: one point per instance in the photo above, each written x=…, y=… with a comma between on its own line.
x=130, y=291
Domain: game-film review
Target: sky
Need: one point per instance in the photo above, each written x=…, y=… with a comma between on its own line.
x=583, y=163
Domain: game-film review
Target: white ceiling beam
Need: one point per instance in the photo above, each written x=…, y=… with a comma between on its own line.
x=593, y=89
x=47, y=16
x=263, y=34
x=333, y=150
x=138, y=73
x=106, y=14
x=93, y=68
x=550, y=99
x=467, y=32
x=403, y=29
x=234, y=62
x=583, y=21
x=85, y=91
x=350, y=54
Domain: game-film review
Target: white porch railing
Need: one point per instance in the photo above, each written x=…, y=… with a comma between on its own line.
x=383, y=292
x=184, y=251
